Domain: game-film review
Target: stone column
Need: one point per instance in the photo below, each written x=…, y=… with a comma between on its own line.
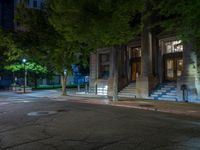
x=115, y=73
x=190, y=75
x=142, y=83
x=93, y=73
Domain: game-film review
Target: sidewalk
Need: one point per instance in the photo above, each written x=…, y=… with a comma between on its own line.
x=180, y=108
x=188, y=109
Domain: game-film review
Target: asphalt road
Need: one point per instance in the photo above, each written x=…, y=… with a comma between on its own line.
x=76, y=126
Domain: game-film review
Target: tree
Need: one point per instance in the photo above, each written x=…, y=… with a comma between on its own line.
x=97, y=23
x=182, y=18
x=8, y=49
x=40, y=42
x=33, y=68
x=30, y=66
x=63, y=57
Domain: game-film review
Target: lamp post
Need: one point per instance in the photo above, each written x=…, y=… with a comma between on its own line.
x=64, y=81
x=65, y=72
x=24, y=62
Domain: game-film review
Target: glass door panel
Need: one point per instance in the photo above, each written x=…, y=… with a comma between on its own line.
x=170, y=69
x=173, y=69
x=179, y=67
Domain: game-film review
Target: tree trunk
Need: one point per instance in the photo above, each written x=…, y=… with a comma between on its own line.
x=63, y=83
x=13, y=77
x=35, y=81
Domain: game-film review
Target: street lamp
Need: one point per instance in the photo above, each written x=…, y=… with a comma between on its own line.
x=65, y=75
x=24, y=62
x=65, y=72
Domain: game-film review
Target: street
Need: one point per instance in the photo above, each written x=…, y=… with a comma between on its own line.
x=43, y=123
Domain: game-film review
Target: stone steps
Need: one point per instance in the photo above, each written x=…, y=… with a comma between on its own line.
x=166, y=91
x=128, y=92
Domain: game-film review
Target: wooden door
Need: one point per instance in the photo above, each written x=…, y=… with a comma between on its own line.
x=136, y=70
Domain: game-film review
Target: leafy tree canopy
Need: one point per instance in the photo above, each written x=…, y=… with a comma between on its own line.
x=30, y=66
x=35, y=36
x=181, y=16
x=40, y=41
x=9, y=50
x=97, y=23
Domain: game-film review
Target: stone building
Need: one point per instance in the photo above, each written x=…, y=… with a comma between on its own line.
x=152, y=66
x=7, y=14
x=7, y=11
x=35, y=4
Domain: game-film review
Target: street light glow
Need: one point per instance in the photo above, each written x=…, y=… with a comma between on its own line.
x=65, y=71
x=24, y=60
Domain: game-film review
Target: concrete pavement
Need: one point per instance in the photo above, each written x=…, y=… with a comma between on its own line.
x=181, y=108
x=83, y=126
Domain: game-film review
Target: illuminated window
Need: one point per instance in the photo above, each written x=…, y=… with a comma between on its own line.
x=104, y=65
x=174, y=46
x=135, y=52
x=179, y=67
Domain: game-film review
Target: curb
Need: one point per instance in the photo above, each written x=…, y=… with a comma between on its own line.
x=137, y=107
x=97, y=102
x=155, y=109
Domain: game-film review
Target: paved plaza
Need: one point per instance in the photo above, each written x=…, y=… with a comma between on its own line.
x=39, y=122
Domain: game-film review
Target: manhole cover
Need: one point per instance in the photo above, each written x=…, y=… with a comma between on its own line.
x=3, y=112
x=42, y=113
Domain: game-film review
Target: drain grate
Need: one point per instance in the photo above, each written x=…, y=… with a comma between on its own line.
x=42, y=113
x=2, y=112
x=46, y=113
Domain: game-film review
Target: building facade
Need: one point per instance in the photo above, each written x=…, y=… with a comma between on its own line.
x=7, y=14
x=151, y=66
x=35, y=4
x=6, y=23
x=7, y=11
